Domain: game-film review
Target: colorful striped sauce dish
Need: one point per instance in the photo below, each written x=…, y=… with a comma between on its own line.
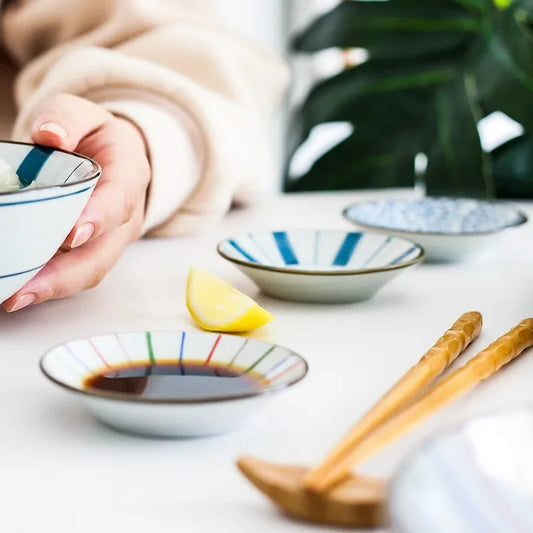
x=35, y=221
x=177, y=413
x=322, y=266
x=475, y=478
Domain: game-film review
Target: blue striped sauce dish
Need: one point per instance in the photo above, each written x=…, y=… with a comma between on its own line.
x=182, y=411
x=322, y=266
x=34, y=221
x=474, y=478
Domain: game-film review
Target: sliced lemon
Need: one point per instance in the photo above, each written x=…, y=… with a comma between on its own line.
x=216, y=306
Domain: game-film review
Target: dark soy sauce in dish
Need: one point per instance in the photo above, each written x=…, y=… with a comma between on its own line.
x=172, y=381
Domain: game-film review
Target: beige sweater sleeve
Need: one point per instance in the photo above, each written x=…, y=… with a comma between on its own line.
x=201, y=95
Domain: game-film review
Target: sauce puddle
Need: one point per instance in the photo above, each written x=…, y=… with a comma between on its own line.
x=171, y=381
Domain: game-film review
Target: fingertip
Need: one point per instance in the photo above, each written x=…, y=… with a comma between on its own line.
x=50, y=134
x=82, y=234
x=17, y=302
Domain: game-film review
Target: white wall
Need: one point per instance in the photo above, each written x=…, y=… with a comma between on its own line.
x=264, y=20
x=270, y=22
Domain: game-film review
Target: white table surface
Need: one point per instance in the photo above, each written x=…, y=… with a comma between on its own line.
x=61, y=471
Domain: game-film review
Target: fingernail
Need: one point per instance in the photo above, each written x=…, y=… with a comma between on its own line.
x=83, y=234
x=54, y=128
x=23, y=301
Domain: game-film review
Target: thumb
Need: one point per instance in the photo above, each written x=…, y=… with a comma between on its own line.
x=63, y=120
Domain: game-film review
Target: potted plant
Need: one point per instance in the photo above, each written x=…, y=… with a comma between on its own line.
x=435, y=68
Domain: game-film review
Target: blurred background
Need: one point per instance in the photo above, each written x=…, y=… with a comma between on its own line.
x=432, y=95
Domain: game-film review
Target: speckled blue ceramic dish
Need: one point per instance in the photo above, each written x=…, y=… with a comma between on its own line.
x=474, y=479
x=447, y=228
x=320, y=265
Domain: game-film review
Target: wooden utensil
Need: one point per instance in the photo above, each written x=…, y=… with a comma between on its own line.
x=358, y=501
x=287, y=483
x=432, y=364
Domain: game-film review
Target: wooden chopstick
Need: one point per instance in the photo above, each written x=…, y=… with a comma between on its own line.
x=487, y=362
x=446, y=350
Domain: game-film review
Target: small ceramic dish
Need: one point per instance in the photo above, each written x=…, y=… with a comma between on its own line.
x=448, y=229
x=331, y=266
x=35, y=221
x=189, y=408
x=477, y=478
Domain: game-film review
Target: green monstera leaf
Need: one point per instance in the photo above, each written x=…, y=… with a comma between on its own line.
x=435, y=68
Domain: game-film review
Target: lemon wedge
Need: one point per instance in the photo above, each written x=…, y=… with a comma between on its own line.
x=216, y=306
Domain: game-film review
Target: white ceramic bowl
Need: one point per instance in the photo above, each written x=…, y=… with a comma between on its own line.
x=331, y=266
x=449, y=229
x=477, y=478
x=70, y=364
x=34, y=222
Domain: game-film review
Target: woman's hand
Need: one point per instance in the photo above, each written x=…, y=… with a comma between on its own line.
x=113, y=216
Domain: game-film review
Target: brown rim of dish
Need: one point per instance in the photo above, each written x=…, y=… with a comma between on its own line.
x=97, y=170
x=162, y=401
x=522, y=220
x=420, y=257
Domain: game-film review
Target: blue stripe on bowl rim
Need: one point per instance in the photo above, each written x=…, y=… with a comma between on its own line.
x=521, y=220
x=285, y=247
x=46, y=198
x=4, y=276
x=95, y=174
x=347, y=249
x=344, y=248
x=32, y=164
